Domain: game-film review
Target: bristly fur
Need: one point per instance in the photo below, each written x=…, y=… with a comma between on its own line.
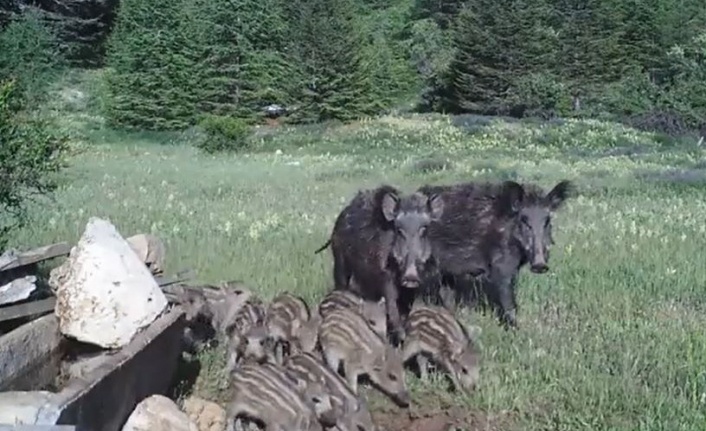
x=367, y=247
x=478, y=233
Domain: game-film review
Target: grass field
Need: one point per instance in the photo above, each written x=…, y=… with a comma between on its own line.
x=611, y=339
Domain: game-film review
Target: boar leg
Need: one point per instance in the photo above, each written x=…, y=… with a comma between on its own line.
x=341, y=271
x=448, y=299
x=352, y=369
x=423, y=364
x=504, y=293
x=410, y=349
x=393, y=313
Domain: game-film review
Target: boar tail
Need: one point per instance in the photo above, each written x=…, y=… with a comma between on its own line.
x=323, y=247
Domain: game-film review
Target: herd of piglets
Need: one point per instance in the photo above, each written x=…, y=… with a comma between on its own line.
x=402, y=263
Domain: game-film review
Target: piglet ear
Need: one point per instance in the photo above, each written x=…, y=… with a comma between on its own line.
x=390, y=206
x=435, y=205
x=511, y=198
x=556, y=197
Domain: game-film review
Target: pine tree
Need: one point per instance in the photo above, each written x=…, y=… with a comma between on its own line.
x=244, y=64
x=443, y=12
x=333, y=81
x=153, y=66
x=590, y=49
x=496, y=42
x=640, y=41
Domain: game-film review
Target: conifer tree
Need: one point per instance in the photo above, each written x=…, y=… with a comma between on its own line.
x=333, y=79
x=153, y=71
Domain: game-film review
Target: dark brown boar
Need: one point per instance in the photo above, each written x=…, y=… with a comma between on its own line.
x=488, y=232
x=380, y=241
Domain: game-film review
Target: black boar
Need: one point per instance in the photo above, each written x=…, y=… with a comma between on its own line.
x=488, y=232
x=379, y=240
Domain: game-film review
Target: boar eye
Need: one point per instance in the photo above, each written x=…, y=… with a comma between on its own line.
x=392, y=377
x=464, y=370
x=524, y=220
x=546, y=222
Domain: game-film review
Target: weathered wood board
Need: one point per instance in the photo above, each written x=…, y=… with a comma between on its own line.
x=37, y=255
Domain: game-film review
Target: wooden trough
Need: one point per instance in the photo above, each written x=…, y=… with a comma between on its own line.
x=109, y=385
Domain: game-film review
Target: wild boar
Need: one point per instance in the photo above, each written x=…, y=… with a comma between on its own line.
x=373, y=312
x=266, y=394
x=150, y=249
x=380, y=241
x=231, y=297
x=247, y=336
x=488, y=232
x=198, y=316
x=352, y=413
x=346, y=339
x=433, y=332
x=287, y=316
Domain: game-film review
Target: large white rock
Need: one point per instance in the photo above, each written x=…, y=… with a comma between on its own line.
x=158, y=413
x=105, y=294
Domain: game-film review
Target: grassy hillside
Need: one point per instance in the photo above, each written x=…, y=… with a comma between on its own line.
x=612, y=338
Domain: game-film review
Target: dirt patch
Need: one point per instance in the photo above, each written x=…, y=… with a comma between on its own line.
x=451, y=419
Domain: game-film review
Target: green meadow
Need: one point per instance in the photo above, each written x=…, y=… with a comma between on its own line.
x=612, y=338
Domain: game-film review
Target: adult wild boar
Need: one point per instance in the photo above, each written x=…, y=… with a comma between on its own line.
x=379, y=241
x=488, y=232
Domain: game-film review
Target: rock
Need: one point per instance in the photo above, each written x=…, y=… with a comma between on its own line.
x=150, y=250
x=105, y=294
x=158, y=413
x=28, y=408
x=207, y=415
x=18, y=289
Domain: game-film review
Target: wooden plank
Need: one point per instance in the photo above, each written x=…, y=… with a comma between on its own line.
x=46, y=305
x=28, y=309
x=178, y=278
x=38, y=255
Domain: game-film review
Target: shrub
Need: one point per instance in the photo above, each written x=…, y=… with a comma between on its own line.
x=539, y=95
x=223, y=134
x=29, y=156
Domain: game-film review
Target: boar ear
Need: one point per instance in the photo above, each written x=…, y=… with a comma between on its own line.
x=390, y=206
x=435, y=204
x=556, y=197
x=511, y=198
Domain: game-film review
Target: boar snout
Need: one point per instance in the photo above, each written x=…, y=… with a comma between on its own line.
x=539, y=261
x=539, y=267
x=403, y=399
x=410, y=279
